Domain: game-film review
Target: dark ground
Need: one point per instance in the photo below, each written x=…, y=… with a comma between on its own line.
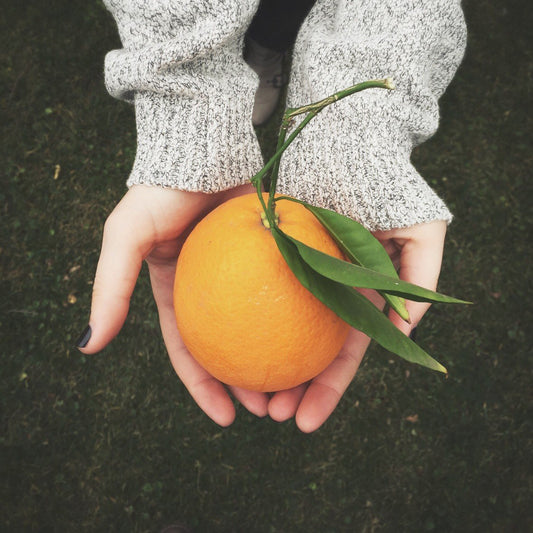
x=113, y=443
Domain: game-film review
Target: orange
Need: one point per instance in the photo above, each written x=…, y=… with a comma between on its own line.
x=240, y=310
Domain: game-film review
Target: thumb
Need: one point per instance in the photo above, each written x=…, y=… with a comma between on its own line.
x=126, y=240
x=420, y=264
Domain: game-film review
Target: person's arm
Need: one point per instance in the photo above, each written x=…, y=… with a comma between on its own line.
x=354, y=157
x=181, y=65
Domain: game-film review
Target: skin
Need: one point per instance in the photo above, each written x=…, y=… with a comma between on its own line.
x=150, y=224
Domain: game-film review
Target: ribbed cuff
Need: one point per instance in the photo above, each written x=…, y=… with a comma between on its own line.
x=202, y=142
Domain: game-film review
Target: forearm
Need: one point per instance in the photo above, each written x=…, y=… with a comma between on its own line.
x=355, y=157
x=181, y=64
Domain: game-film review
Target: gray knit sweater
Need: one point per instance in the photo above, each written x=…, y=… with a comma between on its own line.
x=181, y=64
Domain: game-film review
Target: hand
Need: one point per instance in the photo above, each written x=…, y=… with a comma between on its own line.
x=417, y=254
x=151, y=224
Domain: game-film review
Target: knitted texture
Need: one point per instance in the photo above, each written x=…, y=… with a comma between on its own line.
x=182, y=65
x=354, y=157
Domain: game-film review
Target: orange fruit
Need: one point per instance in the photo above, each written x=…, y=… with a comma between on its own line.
x=240, y=310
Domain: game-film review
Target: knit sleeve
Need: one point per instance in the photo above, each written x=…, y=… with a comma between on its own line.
x=355, y=156
x=181, y=65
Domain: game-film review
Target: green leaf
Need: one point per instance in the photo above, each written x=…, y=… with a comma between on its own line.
x=353, y=307
x=360, y=246
x=364, y=278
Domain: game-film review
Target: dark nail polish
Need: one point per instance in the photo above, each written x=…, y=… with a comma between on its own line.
x=84, y=337
x=412, y=335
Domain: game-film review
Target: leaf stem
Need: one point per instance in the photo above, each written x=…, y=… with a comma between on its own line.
x=281, y=149
x=386, y=83
x=274, y=174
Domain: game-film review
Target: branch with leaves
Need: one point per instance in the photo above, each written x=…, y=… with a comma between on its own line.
x=334, y=281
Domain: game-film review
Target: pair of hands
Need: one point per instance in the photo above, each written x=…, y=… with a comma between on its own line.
x=151, y=224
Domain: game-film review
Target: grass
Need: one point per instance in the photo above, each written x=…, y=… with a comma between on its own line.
x=113, y=443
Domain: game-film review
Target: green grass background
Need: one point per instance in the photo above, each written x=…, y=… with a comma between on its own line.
x=114, y=443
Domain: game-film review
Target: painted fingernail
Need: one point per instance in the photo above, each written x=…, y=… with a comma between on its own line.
x=412, y=335
x=84, y=337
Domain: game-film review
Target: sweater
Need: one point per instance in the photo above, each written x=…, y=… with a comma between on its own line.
x=181, y=65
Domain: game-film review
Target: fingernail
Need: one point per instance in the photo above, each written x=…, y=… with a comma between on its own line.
x=84, y=337
x=412, y=335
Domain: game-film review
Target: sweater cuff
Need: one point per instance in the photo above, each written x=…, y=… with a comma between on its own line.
x=203, y=143
x=360, y=167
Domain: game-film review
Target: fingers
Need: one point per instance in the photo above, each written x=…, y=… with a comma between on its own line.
x=420, y=263
x=151, y=220
x=144, y=217
x=284, y=404
x=312, y=404
x=209, y=394
x=255, y=402
x=417, y=251
x=325, y=391
x=123, y=246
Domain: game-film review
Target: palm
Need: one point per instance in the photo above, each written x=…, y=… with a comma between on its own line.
x=310, y=403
